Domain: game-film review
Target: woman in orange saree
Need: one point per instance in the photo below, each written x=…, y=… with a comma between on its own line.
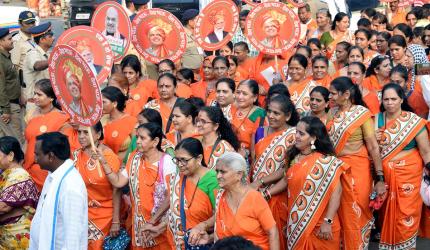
x=185, y=78
x=404, y=144
x=314, y=189
x=351, y=131
x=139, y=89
x=320, y=71
x=184, y=115
x=339, y=33
x=166, y=88
x=146, y=173
x=246, y=115
x=119, y=128
x=235, y=73
x=298, y=85
x=206, y=86
x=103, y=199
x=225, y=90
x=241, y=210
x=46, y=117
x=217, y=134
x=197, y=193
x=362, y=40
x=270, y=145
x=319, y=99
x=377, y=74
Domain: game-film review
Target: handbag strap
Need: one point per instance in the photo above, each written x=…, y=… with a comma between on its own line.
x=161, y=168
x=218, y=140
x=182, y=206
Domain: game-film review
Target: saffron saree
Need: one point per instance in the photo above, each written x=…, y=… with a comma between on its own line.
x=300, y=94
x=211, y=155
x=199, y=203
x=402, y=210
x=354, y=212
x=311, y=183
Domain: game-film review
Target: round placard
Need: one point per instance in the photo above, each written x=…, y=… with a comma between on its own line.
x=254, y=3
x=93, y=47
x=296, y=3
x=216, y=24
x=273, y=28
x=75, y=85
x=157, y=34
x=113, y=22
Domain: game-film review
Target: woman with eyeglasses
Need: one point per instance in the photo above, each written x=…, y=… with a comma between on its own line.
x=104, y=201
x=404, y=145
x=241, y=210
x=351, y=130
x=311, y=162
x=246, y=115
x=206, y=85
x=184, y=120
x=119, y=126
x=382, y=42
x=192, y=196
x=146, y=174
x=225, y=95
x=166, y=86
x=217, y=134
x=378, y=74
x=270, y=143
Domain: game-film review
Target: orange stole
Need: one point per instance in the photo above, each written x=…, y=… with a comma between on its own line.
x=300, y=95
x=416, y=100
x=118, y=131
x=311, y=183
x=163, y=109
x=270, y=155
x=50, y=122
x=198, y=89
x=138, y=98
x=199, y=210
x=372, y=102
x=325, y=82
x=183, y=90
x=222, y=147
x=173, y=136
x=100, y=191
x=244, y=128
x=151, y=87
x=142, y=179
x=251, y=221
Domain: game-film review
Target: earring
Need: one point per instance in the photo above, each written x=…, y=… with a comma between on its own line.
x=313, y=145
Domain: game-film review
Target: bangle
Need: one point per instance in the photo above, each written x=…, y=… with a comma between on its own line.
x=328, y=221
x=261, y=181
x=266, y=195
x=380, y=178
x=116, y=222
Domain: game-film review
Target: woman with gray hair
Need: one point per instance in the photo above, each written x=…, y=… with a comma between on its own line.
x=242, y=210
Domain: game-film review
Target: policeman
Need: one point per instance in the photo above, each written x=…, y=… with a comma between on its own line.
x=20, y=41
x=139, y=5
x=36, y=60
x=10, y=90
x=192, y=58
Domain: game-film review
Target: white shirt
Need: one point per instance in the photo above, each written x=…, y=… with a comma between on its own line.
x=425, y=85
x=71, y=231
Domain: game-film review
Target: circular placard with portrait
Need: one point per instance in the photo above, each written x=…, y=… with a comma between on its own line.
x=254, y=3
x=75, y=85
x=216, y=24
x=273, y=28
x=157, y=34
x=113, y=22
x=296, y=3
x=93, y=47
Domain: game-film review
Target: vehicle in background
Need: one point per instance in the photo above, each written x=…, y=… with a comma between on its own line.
x=9, y=17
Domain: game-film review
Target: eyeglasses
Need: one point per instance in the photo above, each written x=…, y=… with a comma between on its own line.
x=181, y=161
x=203, y=122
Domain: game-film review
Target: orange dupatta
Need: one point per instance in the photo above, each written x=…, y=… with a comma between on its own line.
x=211, y=155
x=300, y=94
x=138, y=98
x=117, y=134
x=311, y=182
x=163, y=109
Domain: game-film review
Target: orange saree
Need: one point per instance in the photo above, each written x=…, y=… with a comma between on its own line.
x=416, y=99
x=50, y=122
x=246, y=125
x=325, y=82
x=300, y=94
x=174, y=136
x=118, y=133
x=164, y=110
x=142, y=179
x=355, y=214
x=183, y=90
x=72, y=135
x=199, y=203
x=138, y=98
x=402, y=210
x=198, y=89
x=311, y=183
x=372, y=102
x=211, y=155
x=252, y=220
x=100, y=191
x=270, y=153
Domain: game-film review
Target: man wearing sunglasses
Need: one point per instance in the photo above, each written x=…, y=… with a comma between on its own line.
x=36, y=61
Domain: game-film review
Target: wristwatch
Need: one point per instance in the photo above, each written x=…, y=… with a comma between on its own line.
x=328, y=221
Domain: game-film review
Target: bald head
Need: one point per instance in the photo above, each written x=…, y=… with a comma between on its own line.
x=111, y=20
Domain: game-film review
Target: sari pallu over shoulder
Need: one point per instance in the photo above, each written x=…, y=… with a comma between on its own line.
x=343, y=124
x=300, y=95
x=324, y=174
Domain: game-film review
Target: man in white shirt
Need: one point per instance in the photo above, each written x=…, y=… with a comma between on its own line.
x=61, y=219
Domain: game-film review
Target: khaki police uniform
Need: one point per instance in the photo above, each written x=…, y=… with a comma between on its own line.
x=191, y=58
x=10, y=91
x=20, y=48
x=31, y=76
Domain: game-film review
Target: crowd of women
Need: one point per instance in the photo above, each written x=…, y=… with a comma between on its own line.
x=334, y=147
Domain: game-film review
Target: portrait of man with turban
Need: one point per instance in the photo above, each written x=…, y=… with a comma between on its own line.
x=73, y=76
x=217, y=19
x=157, y=34
x=272, y=22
